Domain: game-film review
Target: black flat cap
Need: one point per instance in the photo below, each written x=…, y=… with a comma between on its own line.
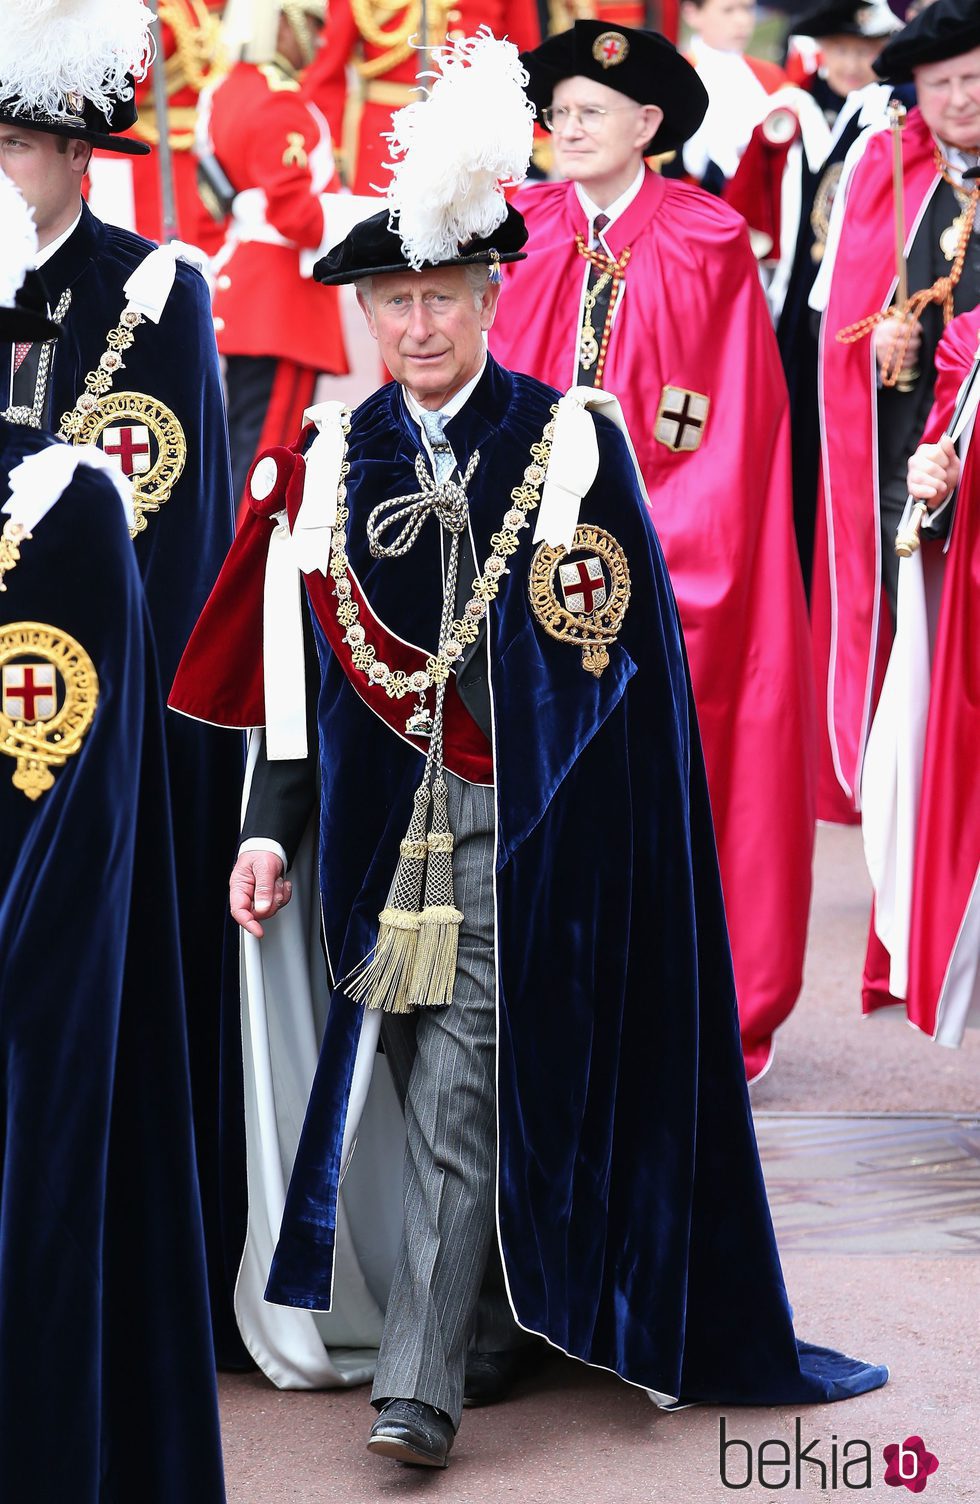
x=846, y=18
x=373, y=250
x=942, y=30
x=643, y=65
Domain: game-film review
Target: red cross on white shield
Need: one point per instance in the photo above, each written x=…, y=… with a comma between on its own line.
x=129, y=446
x=29, y=692
x=583, y=585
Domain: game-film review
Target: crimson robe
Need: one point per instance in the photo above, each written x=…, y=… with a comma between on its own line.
x=694, y=317
x=863, y=281
x=940, y=925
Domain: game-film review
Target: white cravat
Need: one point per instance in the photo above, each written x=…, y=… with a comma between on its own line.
x=618, y=206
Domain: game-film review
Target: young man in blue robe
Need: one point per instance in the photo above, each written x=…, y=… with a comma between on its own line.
x=106, y=1361
x=517, y=869
x=135, y=371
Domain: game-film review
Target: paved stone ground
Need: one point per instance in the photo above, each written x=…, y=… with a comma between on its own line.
x=871, y=1143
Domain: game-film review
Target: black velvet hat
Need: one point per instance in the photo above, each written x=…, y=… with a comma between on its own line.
x=643, y=65
x=847, y=18
x=942, y=30
x=83, y=121
x=373, y=250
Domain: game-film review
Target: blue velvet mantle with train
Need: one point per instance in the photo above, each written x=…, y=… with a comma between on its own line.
x=179, y=556
x=633, y=1218
x=107, y=1384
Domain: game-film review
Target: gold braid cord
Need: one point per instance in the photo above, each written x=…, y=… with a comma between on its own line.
x=414, y=959
x=197, y=45
x=394, y=26
x=615, y=271
x=941, y=291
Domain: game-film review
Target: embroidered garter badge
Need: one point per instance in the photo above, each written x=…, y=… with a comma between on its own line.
x=681, y=419
x=594, y=581
x=145, y=439
x=48, y=693
x=610, y=48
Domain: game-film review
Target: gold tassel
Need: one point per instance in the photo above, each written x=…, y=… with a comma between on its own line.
x=434, y=966
x=382, y=979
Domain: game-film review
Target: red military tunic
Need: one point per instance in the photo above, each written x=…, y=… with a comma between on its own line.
x=275, y=148
x=693, y=360
x=380, y=47
x=128, y=190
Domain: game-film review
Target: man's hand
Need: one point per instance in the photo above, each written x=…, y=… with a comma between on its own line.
x=257, y=889
x=934, y=470
x=887, y=335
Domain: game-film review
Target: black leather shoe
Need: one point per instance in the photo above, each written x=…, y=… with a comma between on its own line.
x=490, y=1377
x=412, y=1432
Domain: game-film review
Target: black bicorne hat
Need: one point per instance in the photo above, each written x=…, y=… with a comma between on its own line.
x=846, y=18
x=83, y=121
x=942, y=30
x=643, y=65
x=373, y=249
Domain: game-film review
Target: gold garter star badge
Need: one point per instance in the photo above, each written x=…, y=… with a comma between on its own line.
x=48, y=693
x=594, y=580
x=610, y=48
x=145, y=439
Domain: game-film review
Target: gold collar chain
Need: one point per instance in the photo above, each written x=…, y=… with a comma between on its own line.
x=13, y=535
x=465, y=629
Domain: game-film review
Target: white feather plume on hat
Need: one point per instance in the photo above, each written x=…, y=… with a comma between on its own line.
x=456, y=150
x=50, y=48
x=18, y=241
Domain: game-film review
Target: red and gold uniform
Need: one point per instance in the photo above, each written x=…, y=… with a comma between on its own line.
x=276, y=327
x=381, y=40
x=127, y=190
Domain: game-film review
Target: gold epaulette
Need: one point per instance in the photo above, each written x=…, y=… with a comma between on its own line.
x=279, y=81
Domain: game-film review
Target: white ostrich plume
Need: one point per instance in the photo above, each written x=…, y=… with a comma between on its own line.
x=455, y=151
x=18, y=241
x=50, y=48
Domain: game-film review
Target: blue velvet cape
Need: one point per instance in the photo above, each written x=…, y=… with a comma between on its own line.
x=633, y=1219
x=179, y=556
x=107, y=1389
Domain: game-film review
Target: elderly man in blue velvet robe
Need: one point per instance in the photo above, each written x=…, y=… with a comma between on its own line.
x=135, y=371
x=516, y=865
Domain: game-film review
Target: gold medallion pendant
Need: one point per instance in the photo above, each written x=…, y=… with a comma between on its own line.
x=145, y=439
x=823, y=203
x=48, y=693
x=949, y=240
x=580, y=595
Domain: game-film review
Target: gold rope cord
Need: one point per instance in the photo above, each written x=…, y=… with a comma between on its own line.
x=379, y=24
x=941, y=291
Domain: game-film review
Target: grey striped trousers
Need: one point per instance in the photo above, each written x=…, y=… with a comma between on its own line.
x=443, y=1061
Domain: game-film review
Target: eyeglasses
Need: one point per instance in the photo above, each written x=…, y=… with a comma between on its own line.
x=590, y=118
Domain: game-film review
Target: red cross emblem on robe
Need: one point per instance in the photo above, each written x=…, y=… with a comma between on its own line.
x=583, y=585
x=128, y=445
x=30, y=692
